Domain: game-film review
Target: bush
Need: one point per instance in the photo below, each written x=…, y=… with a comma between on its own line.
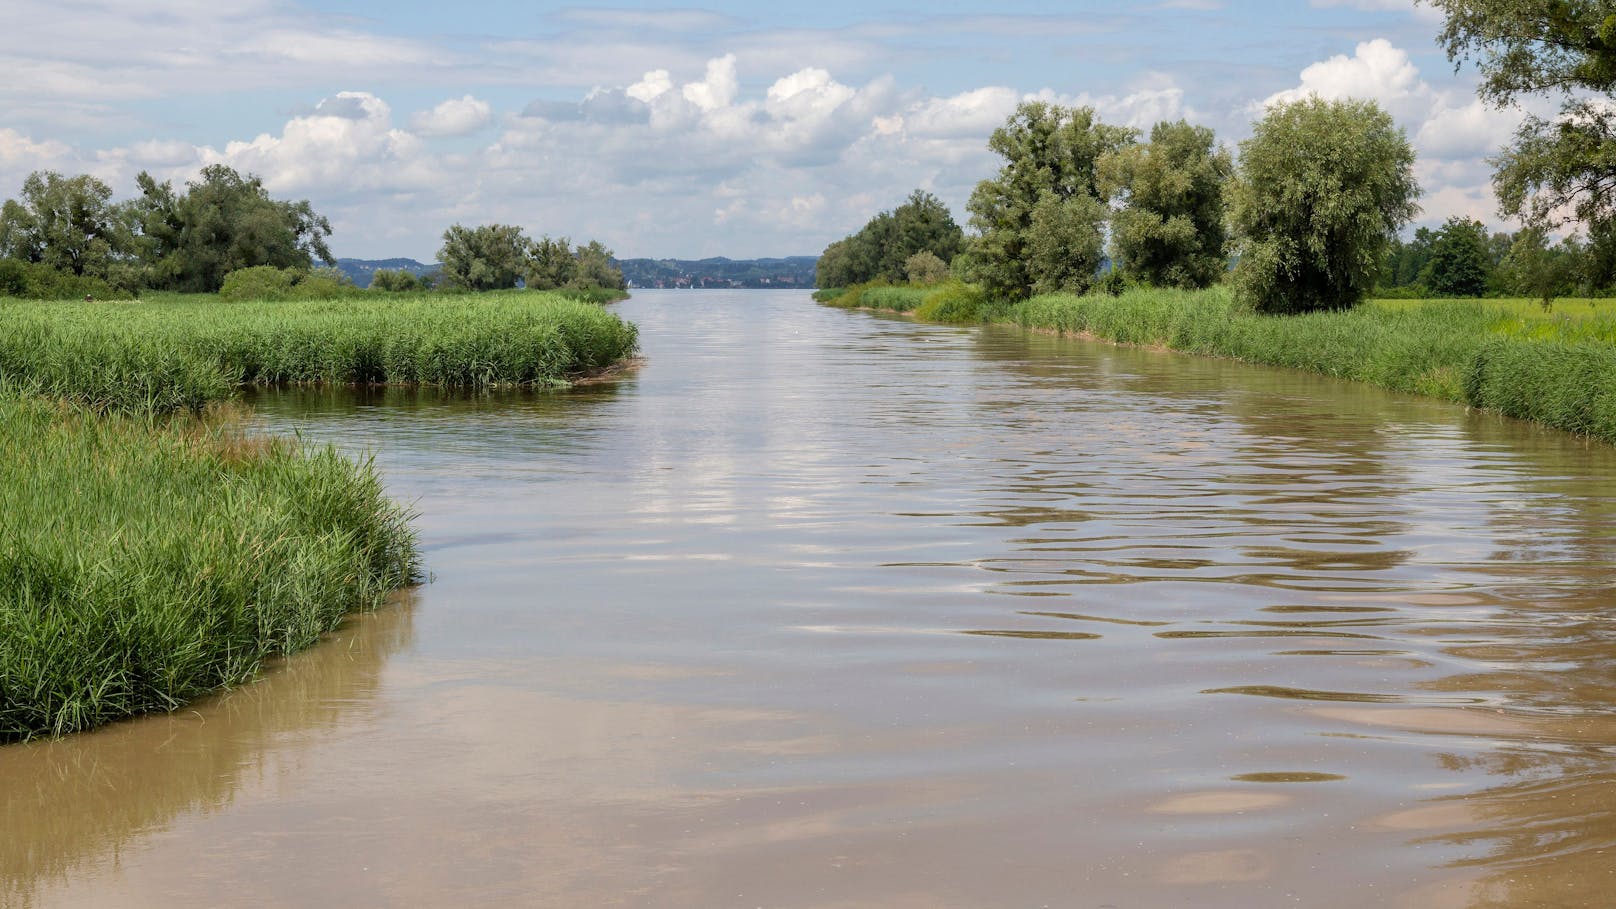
x=266, y=282
x=955, y=303
x=925, y=269
x=260, y=282
x=389, y=281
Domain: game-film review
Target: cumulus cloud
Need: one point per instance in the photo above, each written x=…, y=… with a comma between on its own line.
x=454, y=117
x=348, y=141
x=1377, y=70
x=1453, y=133
x=1467, y=131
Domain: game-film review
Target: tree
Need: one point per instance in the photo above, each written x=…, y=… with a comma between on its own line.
x=835, y=267
x=1050, y=156
x=1540, y=270
x=1460, y=264
x=221, y=223
x=490, y=257
x=1323, y=187
x=925, y=269
x=1064, y=243
x=67, y=223
x=1170, y=230
x=880, y=250
x=1559, y=170
x=551, y=263
x=595, y=269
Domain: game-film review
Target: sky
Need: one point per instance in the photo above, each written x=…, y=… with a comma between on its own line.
x=727, y=129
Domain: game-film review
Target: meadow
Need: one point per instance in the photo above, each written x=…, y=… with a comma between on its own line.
x=155, y=547
x=1556, y=367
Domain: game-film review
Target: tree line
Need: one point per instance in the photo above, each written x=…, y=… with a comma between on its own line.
x=222, y=232
x=1075, y=194
x=1308, y=215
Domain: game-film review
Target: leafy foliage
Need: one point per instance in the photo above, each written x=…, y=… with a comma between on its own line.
x=1039, y=220
x=496, y=256
x=925, y=268
x=490, y=257
x=66, y=223
x=1540, y=269
x=1460, y=264
x=396, y=281
x=881, y=250
x=1170, y=230
x=1559, y=169
x=222, y=222
x=1323, y=187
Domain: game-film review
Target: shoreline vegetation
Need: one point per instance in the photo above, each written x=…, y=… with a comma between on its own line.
x=162, y=357
x=154, y=548
x=1498, y=355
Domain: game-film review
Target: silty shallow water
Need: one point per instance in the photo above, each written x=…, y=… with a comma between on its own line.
x=827, y=609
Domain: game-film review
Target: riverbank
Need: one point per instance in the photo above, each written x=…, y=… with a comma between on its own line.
x=1505, y=356
x=146, y=563
x=158, y=357
x=153, y=547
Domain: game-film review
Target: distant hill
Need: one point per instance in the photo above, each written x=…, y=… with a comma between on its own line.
x=359, y=271
x=792, y=271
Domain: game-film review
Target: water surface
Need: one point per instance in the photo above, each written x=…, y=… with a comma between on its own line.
x=828, y=609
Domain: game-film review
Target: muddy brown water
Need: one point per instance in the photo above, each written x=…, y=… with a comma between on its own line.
x=827, y=609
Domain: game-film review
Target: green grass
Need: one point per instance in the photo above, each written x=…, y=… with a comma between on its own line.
x=144, y=563
x=176, y=353
x=1558, y=368
x=152, y=549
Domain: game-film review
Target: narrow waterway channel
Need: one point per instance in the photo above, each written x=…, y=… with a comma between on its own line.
x=829, y=609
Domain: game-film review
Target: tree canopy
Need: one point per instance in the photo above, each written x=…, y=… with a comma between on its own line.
x=1560, y=169
x=1460, y=262
x=496, y=256
x=1323, y=187
x=1170, y=230
x=1040, y=220
x=882, y=248
x=67, y=223
x=222, y=222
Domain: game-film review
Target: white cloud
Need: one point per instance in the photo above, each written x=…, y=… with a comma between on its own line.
x=1469, y=131
x=454, y=117
x=348, y=142
x=717, y=89
x=1377, y=70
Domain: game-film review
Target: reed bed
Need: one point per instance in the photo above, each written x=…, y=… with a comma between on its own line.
x=1557, y=368
x=157, y=357
x=144, y=563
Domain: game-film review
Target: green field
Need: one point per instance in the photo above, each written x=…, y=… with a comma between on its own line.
x=1556, y=367
x=153, y=547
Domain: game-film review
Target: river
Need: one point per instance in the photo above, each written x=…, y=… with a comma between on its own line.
x=830, y=609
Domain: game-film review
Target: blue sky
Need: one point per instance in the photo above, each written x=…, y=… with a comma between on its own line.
x=724, y=129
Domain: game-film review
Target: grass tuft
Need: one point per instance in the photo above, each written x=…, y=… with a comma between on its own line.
x=146, y=563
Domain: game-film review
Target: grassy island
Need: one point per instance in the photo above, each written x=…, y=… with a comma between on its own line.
x=1557, y=368
x=153, y=548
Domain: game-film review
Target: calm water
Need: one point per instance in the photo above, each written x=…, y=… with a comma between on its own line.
x=825, y=609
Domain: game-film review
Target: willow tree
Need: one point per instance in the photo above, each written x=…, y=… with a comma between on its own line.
x=1322, y=189
x=1560, y=169
x=1170, y=230
x=1040, y=222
